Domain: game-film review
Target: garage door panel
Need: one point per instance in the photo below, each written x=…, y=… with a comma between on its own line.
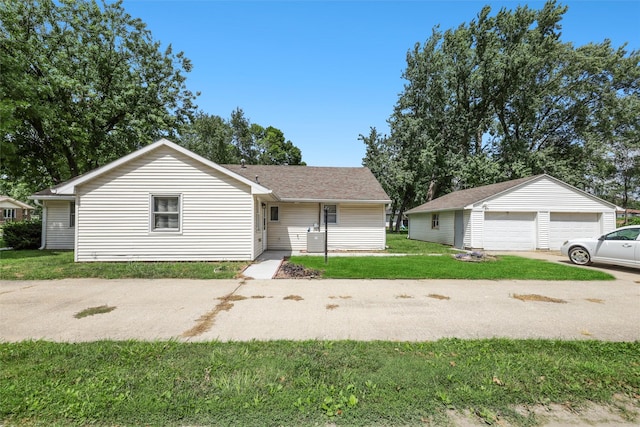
x=564, y=226
x=509, y=231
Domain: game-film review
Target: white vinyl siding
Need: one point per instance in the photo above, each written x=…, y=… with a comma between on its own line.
x=420, y=227
x=544, y=194
x=360, y=226
x=114, y=214
x=58, y=233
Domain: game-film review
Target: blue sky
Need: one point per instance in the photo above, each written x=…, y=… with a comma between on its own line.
x=324, y=72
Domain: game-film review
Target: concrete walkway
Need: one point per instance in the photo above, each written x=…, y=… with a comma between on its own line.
x=266, y=265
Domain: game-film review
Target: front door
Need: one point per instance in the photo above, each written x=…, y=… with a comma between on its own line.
x=264, y=227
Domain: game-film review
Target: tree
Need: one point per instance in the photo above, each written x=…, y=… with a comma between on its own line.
x=82, y=84
x=210, y=137
x=503, y=97
x=229, y=141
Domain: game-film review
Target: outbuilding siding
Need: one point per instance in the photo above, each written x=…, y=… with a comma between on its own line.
x=59, y=234
x=421, y=229
x=217, y=221
x=543, y=192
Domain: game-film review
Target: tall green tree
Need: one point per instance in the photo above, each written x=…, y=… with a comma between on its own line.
x=503, y=97
x=82, y=83
x=230, y=141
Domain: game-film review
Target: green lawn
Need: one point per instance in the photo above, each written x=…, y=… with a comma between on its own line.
x=399, y=244
x=306, y=383
x=445, y=267
x=47, y=265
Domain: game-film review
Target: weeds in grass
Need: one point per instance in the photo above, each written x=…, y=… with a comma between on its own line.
x=293, y=298
x=403, y=296
x=310, y=382
x=438, y=296
x=206, y=321
x=332, y=306
x=539, y=298
x=91, y=311
x=596, y=300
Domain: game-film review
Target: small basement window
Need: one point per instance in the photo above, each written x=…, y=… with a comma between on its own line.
x=166, y=213
x=435, y=221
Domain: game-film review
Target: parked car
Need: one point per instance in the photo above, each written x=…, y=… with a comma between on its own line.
x=620, y=247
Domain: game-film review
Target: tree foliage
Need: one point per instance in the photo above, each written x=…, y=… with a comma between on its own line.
x=82, y=84
x=229, y=141
x=503, y=97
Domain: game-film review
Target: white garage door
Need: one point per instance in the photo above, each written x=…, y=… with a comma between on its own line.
x=565, y=226
x=509, y=231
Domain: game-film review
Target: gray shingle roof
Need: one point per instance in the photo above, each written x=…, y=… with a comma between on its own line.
x=462, y=198
x=315, y=183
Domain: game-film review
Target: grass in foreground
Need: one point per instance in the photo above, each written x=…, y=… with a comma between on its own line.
x=445, y=267
x=306, y=383
x=48, y=264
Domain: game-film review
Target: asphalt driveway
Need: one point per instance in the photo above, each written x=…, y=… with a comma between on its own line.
x=414, y=310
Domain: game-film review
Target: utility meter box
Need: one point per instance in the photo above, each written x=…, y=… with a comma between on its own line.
x=315, y=242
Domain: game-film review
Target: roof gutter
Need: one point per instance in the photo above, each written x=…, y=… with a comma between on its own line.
x=334, y=201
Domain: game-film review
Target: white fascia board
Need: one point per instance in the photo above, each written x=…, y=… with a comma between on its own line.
x=336, y=201
x=54, y=197
x=70, y=187
x=435, y=210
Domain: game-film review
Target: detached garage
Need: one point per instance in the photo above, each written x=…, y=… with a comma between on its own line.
x=538, y=212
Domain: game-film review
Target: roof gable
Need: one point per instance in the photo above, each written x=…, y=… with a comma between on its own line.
x=69, y=187
x=463, y=199
x=15, y=202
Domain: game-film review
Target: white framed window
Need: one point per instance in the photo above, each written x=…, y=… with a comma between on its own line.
x=165, y=212
x=332, y=214
x=274, y=213
x=72, y=214
x=435, y=221
x=9, y=214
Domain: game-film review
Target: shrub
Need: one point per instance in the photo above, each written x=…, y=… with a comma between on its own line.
x=23, y=234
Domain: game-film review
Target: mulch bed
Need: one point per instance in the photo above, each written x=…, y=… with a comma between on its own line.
x=295, y=271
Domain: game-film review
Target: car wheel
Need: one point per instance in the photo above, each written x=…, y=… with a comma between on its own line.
x=579, y=256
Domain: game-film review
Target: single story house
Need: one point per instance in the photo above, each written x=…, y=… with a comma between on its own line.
x=14, y=210
x=628, y=213
x=165, y=203
x=538, y=212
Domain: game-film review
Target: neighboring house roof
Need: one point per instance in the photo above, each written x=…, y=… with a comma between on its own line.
x=286, y=183
x=311, y=183
x=16, y=202
x=464, y=198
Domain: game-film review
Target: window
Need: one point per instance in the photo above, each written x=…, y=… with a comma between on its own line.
x=274, y=213
x=332, y=214
x=166, y=213
x=9, y=214
x=435, y=221
x=72, y=214
x=626, y=234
